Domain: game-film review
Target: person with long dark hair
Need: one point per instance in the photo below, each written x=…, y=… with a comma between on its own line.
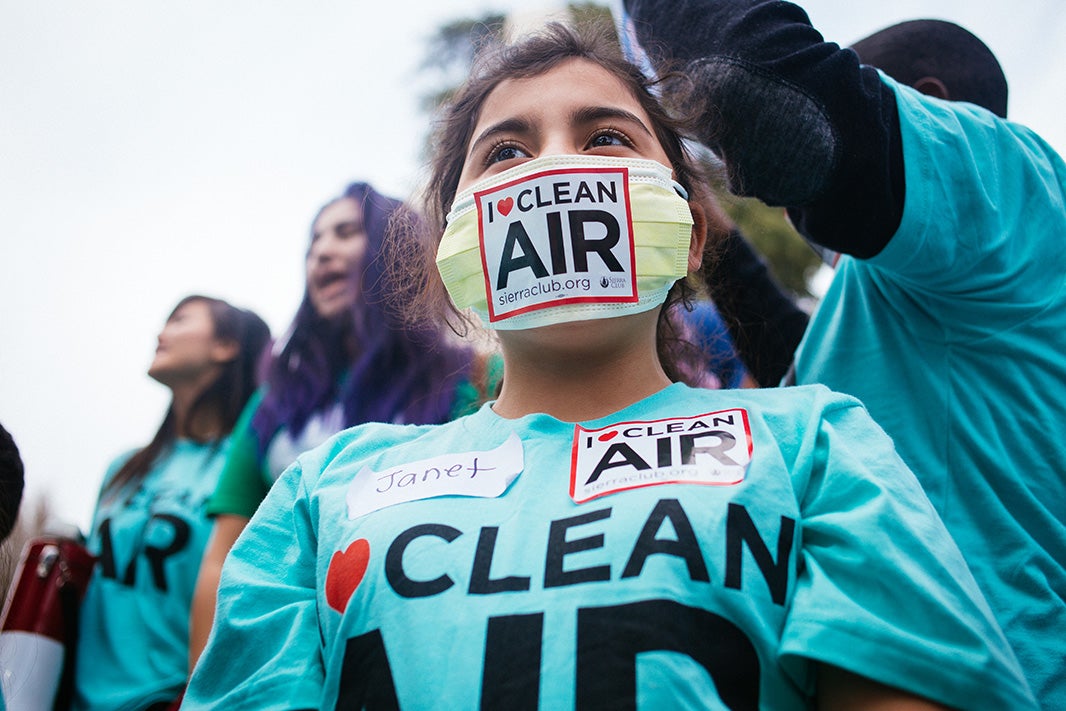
x=349, y=357
x=149, y=528
x=600, y=536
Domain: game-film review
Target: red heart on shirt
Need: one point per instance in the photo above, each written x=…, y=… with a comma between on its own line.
x=505, y=205
x=608, y=436
x=346, y=571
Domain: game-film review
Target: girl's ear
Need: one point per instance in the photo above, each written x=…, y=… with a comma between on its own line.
x=699, y=237
x=225, y=351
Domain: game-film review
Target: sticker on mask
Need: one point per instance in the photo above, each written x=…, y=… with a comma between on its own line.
x=712, y=449
x=561, y=236
x=482, y=474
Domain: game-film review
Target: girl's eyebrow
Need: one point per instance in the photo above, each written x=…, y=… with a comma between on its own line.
x=590, y=114
x=510, y=125
x=587, y=114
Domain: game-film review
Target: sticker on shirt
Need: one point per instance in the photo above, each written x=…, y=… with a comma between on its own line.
x=482, y=474
x=559, y=237
x=713, y=449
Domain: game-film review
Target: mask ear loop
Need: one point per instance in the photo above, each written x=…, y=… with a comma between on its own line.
x=679, y=189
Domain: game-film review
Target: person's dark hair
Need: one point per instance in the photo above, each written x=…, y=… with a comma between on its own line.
x=401, y=372
x=918, y=49
x=225, y=396
x=12, y=481
x=532, y=56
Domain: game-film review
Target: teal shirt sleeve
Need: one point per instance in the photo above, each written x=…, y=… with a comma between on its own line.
x=965, y=236
x=861, y=497
x=267, y=609
x=243, y=483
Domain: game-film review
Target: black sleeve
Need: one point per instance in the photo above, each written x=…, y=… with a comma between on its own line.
x=797, y=120
x=764, y=323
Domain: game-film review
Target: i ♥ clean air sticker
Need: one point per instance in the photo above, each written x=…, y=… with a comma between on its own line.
x=562, y=236
x=712, y=449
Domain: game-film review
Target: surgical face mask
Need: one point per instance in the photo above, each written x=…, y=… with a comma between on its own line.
x=566, y=238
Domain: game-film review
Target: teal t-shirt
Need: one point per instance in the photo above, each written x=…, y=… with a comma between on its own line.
x=698, y=549
x=954, y=337
x=133, y=644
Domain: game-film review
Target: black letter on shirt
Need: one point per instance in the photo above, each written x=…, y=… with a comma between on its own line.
x=156, y=556
x=394, y=572
x=480, y=582
x=559, y=548
x=510, y=678
x=610, y=638
x=366, y=677
x=740, y=529
x=685, y=547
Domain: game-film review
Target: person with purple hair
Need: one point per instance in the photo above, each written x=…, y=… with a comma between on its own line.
x=348, y=358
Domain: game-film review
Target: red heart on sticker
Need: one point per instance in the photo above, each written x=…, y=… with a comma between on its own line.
x=505, y=205
x=608, y=436
x=346, y=571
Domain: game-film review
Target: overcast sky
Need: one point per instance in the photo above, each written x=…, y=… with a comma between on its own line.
x=153, y=149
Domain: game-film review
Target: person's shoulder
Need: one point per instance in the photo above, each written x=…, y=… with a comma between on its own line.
x=118, y=461
x=963, y=121
x=795, y=401
x=379, y=435
x=797, y=393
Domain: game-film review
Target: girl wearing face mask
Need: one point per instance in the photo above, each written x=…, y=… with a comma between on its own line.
x=348, y=358
x=599, y=536
x=149, y=529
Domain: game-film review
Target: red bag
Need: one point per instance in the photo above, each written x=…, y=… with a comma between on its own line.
x=39, y=632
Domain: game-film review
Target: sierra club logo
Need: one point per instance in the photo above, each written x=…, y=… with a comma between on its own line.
x=713, y=449
x=557, y=237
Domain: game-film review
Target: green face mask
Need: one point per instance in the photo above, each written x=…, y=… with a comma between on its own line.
x=566, y=238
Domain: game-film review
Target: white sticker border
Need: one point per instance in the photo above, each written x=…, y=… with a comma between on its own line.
x=579, y=430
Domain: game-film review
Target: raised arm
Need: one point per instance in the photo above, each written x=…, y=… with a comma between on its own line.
x=797, y=120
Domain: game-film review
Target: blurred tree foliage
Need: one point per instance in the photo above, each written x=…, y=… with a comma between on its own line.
x=791, y=259
x=449, y=56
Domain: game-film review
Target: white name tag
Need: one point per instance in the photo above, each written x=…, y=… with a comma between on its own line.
x=485, y=474
x=559, y=237
x=714, y=449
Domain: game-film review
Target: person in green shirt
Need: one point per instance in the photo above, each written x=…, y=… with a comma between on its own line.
x=348, y=358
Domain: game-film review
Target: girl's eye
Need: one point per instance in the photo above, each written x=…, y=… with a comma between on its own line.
x=504, y=151
x=609, y=137
x=349, y=229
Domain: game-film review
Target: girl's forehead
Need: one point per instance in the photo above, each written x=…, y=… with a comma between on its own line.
x=341, y=209
x=571, y=82
x=193, y=308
